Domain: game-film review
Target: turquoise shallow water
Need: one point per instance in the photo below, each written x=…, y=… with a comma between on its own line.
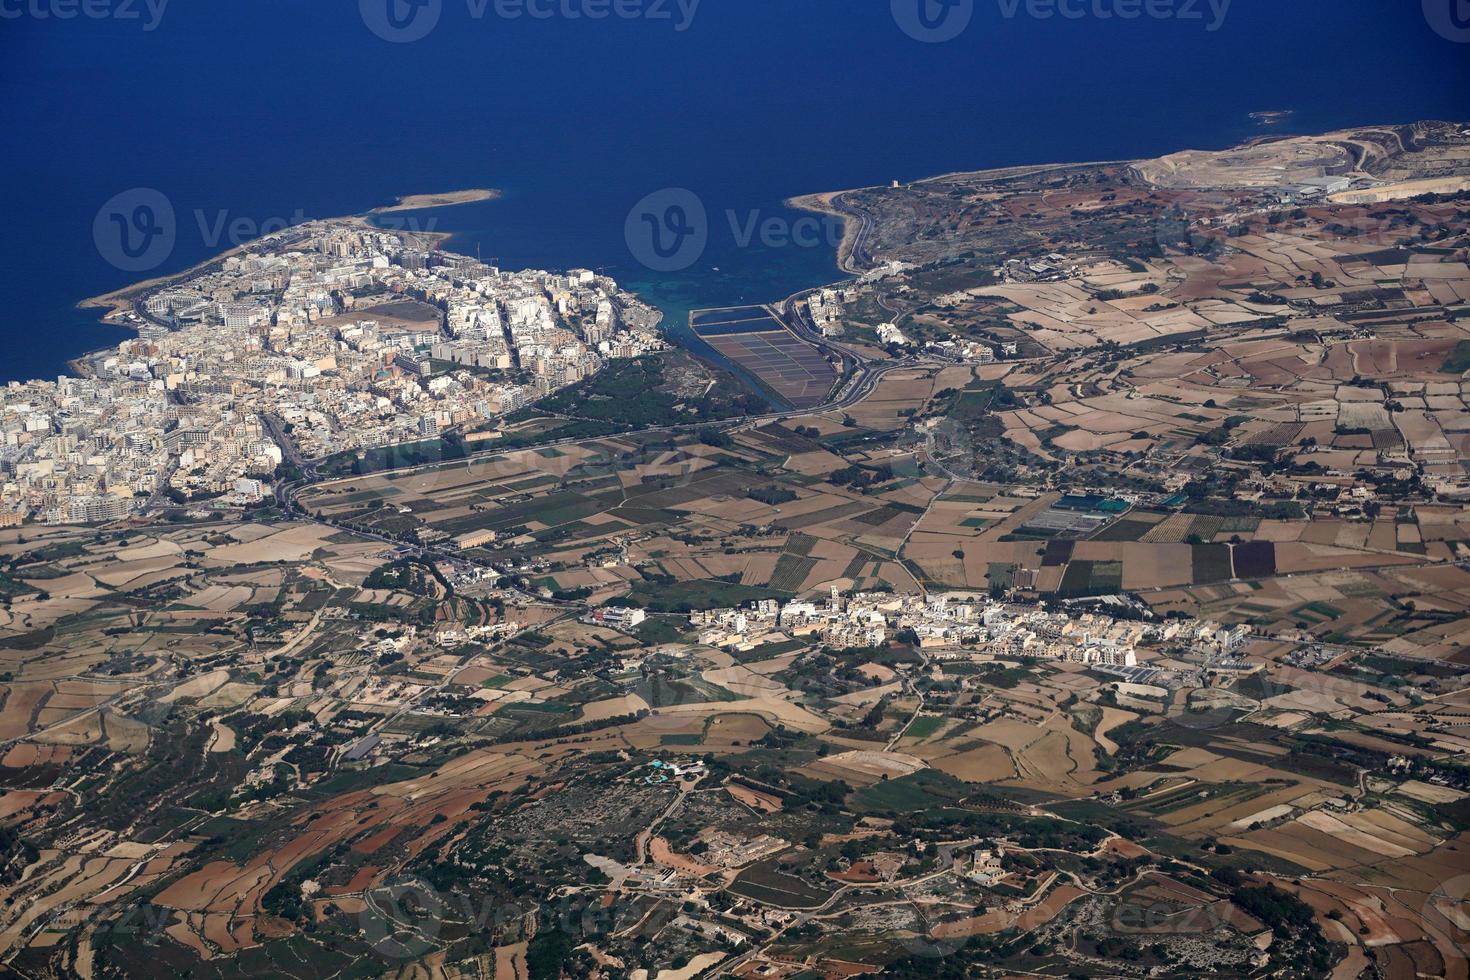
x=787, y=252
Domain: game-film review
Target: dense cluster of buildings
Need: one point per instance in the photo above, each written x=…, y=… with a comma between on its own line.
x=829, y=308
x=948, y=624
x=1051, y=268
x=966, y=351
x=1316, y=188
x=889, y=333
x=277, y=342
x=826, y=308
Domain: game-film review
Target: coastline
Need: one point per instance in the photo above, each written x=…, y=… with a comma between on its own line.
x=826, y=202
x=120, y=301
x=855, y=223
x=423, y=202
x=830, y=202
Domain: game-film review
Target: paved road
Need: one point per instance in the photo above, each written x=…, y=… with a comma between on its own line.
x=857, y=388
x=859, y=255
x=277, y=430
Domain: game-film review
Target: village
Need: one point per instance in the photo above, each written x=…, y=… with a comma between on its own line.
x=958, y=625
x=325, y=338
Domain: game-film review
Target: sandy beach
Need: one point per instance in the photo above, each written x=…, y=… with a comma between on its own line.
x=826, y=203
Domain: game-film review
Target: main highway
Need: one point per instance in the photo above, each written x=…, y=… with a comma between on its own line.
x=858, y=378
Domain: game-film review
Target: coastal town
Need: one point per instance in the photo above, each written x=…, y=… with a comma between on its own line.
x=326, y=338
x=1080, y=588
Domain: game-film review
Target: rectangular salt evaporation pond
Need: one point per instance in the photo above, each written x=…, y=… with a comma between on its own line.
x=753, y=339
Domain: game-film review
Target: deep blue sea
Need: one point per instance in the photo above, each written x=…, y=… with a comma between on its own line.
x=249, y=113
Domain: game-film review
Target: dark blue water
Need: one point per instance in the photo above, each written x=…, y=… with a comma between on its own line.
x=268, y=110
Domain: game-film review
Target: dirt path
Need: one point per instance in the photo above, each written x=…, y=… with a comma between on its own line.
x=510, y=962
x=646, y=834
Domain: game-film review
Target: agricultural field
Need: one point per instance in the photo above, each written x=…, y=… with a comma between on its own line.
x=1136, y=644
